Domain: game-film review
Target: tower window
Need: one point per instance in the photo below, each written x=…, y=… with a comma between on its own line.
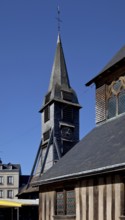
x=65, y=202
x=67, y=96
x=116, y=98
x=68, y=114
x=46, y=135
x=47, y=113
x=47, y=98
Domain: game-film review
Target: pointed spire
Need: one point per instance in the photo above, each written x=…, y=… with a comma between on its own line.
x=58, y=39
x=59, y=75
x=59, y=80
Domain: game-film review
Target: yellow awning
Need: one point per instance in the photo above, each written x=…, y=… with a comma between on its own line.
x=6, y=203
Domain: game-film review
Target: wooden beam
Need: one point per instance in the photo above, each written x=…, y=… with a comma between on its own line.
x=47, y=150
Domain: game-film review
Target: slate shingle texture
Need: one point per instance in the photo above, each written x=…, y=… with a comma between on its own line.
x=103, y=147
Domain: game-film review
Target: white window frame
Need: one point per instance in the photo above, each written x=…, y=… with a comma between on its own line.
x=10, y=194
x=1, y=180
x=1, y=194
x=10, y=180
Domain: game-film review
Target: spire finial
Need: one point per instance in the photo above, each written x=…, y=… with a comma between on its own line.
x=58, y=18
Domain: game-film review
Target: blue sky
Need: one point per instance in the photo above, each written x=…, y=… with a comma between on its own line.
x=91, y=31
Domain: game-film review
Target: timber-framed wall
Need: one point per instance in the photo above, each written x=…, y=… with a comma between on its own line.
x=97, y=198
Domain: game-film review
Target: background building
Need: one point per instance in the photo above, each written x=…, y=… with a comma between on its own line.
x=9, y=180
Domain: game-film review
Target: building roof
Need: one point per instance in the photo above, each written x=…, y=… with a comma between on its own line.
x=59, y=73
x=103, y=149
x=59, y=80
x=10, y=167
x=119, y=56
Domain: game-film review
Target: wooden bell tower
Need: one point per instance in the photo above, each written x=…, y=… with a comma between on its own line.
x=59, y=116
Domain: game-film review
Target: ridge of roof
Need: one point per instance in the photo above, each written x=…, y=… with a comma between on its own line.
x=120, y=55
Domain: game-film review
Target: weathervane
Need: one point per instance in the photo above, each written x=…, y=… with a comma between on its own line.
x=58, y=18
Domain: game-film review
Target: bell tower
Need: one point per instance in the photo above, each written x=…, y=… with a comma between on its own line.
x=59, y=116
x=59, y=113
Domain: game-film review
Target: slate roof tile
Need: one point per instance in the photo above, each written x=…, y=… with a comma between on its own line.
x=103, y=147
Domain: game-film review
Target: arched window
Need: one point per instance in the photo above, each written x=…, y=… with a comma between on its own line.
x=121, y=102
x=116, y=98
x=112, y=107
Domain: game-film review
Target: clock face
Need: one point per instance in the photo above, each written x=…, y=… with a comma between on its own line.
x=67, y=132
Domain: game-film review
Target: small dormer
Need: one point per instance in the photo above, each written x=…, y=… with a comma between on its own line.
x=9, y=166
x=110, y=88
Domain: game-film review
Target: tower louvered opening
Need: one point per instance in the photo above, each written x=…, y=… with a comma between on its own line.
x=67, y=96
x=46, y=135
x=47, y=113
x=47, y=98
x=68, y=114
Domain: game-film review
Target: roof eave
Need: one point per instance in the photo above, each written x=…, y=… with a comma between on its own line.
x=98, y=171
x=106, y=71
x=61, y=101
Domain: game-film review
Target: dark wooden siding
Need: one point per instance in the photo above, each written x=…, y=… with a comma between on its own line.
x=101, y=104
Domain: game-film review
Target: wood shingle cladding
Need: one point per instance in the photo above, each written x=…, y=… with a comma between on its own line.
x=101, y=104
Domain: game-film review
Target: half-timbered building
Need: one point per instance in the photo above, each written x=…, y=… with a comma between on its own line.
x=59, y=120
x=88, y=182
